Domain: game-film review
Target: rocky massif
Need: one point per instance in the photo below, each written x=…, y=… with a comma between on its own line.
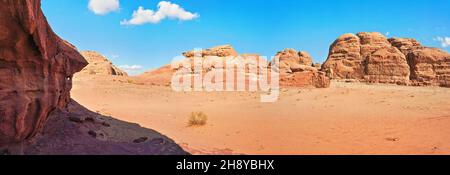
x=367, y=57
x=36, y=70
x=296, y=68
x=373, y=58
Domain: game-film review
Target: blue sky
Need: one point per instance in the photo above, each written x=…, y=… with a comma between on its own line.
x=251, y=26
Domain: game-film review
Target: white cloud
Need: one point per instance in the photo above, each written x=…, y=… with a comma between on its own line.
x=165, y=10
x=445, y=41
x=387, y=33
x=103, y=7
x=130, y=68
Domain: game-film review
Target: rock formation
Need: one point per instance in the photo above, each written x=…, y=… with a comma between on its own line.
x=384, y=63
x=345, y=60
x=430, y=66
x=296, y=69
x=315, y=79
x=387, y=65
x=37, y=115
x=100, y=65
x=371, y=42
x=371, y=57
x=366, y=56
x=219, y=51
x=294, y=66
x=36, y=69
x=293, y=61
x=405, y=45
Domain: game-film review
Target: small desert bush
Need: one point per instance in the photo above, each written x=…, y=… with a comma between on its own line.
x=197, y=119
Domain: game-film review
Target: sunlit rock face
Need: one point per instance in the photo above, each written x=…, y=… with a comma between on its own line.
x=100, y=65
x=430, y=66
x=371, y=57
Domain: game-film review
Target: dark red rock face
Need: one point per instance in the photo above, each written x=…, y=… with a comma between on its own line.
x=36, y=69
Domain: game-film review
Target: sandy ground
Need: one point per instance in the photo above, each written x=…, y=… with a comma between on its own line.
x=348, y=118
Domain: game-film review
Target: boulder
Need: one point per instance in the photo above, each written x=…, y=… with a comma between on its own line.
x=36, y=69
x=100, y=65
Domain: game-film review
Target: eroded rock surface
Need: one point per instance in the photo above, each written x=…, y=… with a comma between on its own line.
x=297, y=70
x=345, y=60
x=37, y=115
x=293, y=61
x=405, y=45
x=430, y=66
x=36, y=69
x=387, y=65
x=371, y=57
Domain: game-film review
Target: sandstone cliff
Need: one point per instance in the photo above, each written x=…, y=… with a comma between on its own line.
x=371, y=57
x=37, y=115
x=36, y=68
x=345, y=60
x=430, y=66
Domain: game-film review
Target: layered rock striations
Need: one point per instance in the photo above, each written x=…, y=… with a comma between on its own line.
x=371, y=57
x=429, y=66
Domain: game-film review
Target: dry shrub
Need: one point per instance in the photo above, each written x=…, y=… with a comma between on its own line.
x=197, y=119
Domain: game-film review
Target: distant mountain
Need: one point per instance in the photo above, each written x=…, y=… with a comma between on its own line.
x=100, y=65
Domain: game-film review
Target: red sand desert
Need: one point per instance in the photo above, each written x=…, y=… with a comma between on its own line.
x=347, y=118
x=47, y=107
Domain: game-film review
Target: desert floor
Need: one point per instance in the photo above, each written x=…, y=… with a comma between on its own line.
x=348, y=118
